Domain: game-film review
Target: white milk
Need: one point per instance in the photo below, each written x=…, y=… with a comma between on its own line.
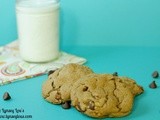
x=38, y=30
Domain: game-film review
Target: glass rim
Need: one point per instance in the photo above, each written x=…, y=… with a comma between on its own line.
x=32, y=3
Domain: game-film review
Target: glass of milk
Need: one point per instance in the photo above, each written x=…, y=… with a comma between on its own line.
x=38, y=29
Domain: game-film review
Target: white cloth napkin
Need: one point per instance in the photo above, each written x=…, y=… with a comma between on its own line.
x=13, y=68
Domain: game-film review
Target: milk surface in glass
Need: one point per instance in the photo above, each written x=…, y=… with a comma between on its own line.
x=38, y=29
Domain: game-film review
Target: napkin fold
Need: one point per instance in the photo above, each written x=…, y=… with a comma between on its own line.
x=13, y=68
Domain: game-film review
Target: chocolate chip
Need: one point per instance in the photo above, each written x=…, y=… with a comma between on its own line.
x=69, y=102
x=155, y=74
x=58, y=96
x=115, y=74
x=153, y=85
x=50, y=72
x=66, y=105
x=85, y=88
x=6, y=96
x=52, y=84
x=79, y=107
x=91, y=105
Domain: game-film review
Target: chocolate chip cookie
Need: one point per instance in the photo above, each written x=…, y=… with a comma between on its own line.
x=58, y=86
x=104, y=95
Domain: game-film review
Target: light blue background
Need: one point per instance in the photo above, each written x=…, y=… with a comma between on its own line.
x=97, y=22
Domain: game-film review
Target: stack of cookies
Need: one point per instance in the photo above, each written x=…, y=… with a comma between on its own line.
x=96, y=95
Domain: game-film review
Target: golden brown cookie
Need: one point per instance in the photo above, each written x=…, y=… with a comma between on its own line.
x=132, y=85
x=57, y=88
x=102, y=95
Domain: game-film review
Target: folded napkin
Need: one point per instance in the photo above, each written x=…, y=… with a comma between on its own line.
x=13, y=68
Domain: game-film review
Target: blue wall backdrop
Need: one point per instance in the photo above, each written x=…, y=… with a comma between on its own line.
x=97, y=22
